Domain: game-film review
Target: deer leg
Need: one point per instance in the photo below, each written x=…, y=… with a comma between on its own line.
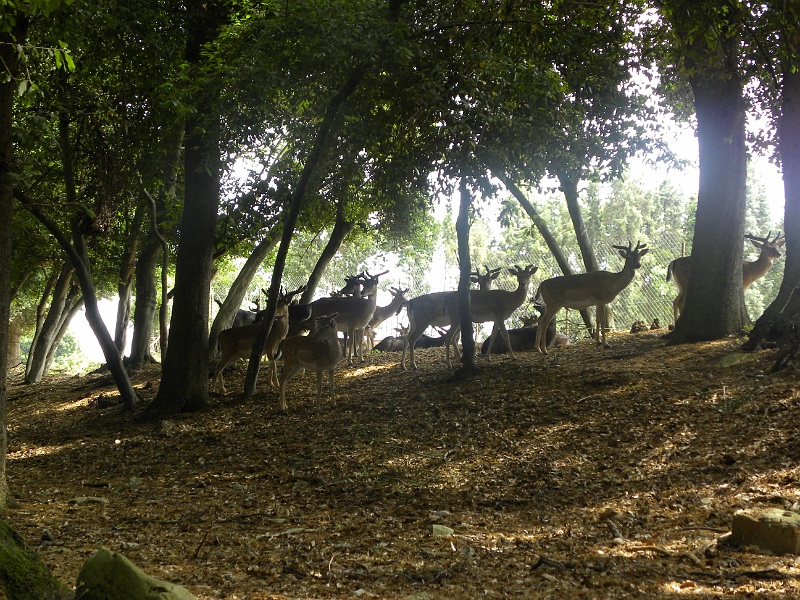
x=504, y=333
x=288, y=371
x=541, y=331
x=450, y=339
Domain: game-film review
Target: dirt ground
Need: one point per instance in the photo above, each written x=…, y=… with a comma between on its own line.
x=585, y=474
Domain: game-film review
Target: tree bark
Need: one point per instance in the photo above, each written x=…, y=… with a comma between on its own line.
x=547, y=235
x=233, y=300
x=41, y=314
x=126, y=276
x=468, y=366
x=773, y=324
x=715, y=301
x=341, y=228
x=8, y=89
x=184, y=381
x=323, y=136
x=43, y=345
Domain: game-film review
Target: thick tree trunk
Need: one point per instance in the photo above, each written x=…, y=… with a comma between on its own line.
x=184, y=382
x=14, y=355
x=773, y=324
x=341, y=228
x=37, y=358
x=233, y=300
x=464, y=282
x=715, y=301
x=8, y=89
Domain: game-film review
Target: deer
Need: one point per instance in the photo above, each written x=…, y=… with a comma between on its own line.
x=523, y=338
x=395, y=306
x=237, y=342
x=489, y=305
x=354, y=313
x=428, y=310
x=681, y=268
x=319, y=351
x=583, y=290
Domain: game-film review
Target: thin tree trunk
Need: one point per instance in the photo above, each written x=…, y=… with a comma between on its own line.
x=547, y=235
x=324, y=132
x=341, y=228
x=41, y=315
x=468, y=367
x=71, y=309
x=126, y=275
x=239, y=287
x=37, y=358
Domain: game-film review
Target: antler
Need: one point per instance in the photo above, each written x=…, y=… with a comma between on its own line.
x=629, y=249
x=778, y=240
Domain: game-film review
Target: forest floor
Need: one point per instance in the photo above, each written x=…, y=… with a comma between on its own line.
x=585, y=474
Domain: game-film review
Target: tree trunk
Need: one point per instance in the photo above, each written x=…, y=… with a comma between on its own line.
x=715, y=301
x=41, y=313
x=773, y=324
x=145, y=308
x=184, y=381
x=549, y=238
x=71, y=308
x=9, y=58
x=464, y=282
x=14, y=356
x=37, y=358
x=233, y=300
x=126, y=274
x=324, y=132
x=341, y=228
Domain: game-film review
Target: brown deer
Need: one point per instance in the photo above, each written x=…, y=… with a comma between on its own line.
x=680, y=269
x=237, y=342
x=319, y=351
x=583, y=290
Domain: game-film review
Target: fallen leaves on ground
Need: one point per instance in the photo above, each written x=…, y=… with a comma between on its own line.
x=587, y=473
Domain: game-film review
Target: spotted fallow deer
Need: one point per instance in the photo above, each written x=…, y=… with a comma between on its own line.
x=680, y=269
x=320, y=351
x=583, y=290
x=489, y=305
x=354, y=313
x=237, y=342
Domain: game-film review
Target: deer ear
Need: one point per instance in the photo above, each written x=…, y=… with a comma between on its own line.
x=756, y=244
x=623, y=253
x=643, y=252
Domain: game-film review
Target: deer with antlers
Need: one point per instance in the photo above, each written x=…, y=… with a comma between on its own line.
x=680, y=269
x=237, y=342
x=583, y=290
x=354, y=313
x=489, y=305
x=319, y=351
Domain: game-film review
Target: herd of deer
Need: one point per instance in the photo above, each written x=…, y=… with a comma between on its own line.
x=353, y=310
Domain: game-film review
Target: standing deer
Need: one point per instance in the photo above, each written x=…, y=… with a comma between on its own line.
x=237, y=342
x=319, y=351
x=354, y=313
x=583, y=290
x=428, y=310
x=681, y=268
x=489, y=305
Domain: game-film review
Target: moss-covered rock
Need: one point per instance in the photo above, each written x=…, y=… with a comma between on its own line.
x=23, y=576
x=107, y=575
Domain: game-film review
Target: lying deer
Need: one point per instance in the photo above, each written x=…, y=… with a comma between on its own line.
x=237, y=342
x=681, y=268
x=319, y=351
x=583, y=290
